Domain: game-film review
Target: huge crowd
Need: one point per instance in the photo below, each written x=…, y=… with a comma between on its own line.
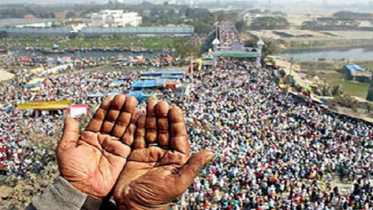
x=274, y=150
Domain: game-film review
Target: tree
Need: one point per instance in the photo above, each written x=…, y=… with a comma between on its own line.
x=70, y=14
x=186, y=47
x=336, y=91
x=3, y=34
x=241, y=25
x=269, y=48
x=269, y=23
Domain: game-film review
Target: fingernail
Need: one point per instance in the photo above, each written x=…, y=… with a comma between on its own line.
x=209, y=158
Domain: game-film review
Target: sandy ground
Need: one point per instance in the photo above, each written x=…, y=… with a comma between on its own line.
x=4, y=75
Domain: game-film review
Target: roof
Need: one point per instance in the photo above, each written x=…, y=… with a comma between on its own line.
x=353, y=67
x=260, y=42
x=216, y=41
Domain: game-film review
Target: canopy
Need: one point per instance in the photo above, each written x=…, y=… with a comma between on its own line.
x=93, y=95
x=50, y=105
x=8, y=108
x=35, y=82
x=144, y=84
x=161, y=82
x=116, y=83
x=113, y=93
x=139, y=95
x=122, y=60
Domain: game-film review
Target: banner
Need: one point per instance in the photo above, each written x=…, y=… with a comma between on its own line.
x=77, y=110
x=45, y=105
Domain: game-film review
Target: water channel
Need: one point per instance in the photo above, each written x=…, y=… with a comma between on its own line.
x=349, y=54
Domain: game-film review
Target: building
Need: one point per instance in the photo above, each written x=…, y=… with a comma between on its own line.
x=356, y=73
x=249, y=18
x=116, y=18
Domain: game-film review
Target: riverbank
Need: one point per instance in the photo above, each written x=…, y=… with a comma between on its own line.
x=327, y=46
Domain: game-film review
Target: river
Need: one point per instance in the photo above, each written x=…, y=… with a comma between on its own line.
x=350, y=53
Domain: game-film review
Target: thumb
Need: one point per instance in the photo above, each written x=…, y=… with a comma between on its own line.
x=193, y=167
x=70, y=134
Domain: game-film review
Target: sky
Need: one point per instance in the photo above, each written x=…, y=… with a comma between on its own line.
x=104, y=1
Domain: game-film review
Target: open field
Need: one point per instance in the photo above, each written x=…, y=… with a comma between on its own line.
x=329, y=72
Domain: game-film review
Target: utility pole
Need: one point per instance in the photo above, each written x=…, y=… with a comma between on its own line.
x=191, y=66
x=291, y=65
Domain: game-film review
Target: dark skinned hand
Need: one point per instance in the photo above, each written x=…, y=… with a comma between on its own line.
x=93, y=162
x=160, y=168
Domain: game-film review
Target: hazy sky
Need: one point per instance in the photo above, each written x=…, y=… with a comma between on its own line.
x=136, y=1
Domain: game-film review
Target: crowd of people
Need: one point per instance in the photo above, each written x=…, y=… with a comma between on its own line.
x=274, y=150
x=17, y=153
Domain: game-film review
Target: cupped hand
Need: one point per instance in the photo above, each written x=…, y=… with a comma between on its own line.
x=159, y=168
x=93, y=161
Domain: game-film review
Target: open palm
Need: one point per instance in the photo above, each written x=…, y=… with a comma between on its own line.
x=93, y=162
x=159, y=168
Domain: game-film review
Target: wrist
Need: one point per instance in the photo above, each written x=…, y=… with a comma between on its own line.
x=126, y=204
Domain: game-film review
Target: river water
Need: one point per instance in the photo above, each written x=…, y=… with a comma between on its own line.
x=351, y=53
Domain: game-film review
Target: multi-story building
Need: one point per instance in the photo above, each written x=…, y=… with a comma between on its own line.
x=116, y=18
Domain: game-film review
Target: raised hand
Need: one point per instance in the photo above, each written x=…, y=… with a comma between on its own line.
x=93, y=162
x=159, y=168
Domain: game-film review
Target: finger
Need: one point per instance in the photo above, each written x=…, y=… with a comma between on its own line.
x=70, y=134
x=151, y=122
x=113, y=113
x=193, y=168
x=140, y=142
x=98, y=118
x=129, y=135
x=125, y=117
x=162, y=109
x=179, y=137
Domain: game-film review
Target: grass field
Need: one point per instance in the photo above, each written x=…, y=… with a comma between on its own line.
x=150, y=43
x=329, y=72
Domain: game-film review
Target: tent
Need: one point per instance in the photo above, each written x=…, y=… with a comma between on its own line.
x=8, y=108
x=139, y=95
x=116, y=83
x=50, y=105
x=122, y=60
x=144, y=84
x=93, y=95
x=113, y=93
x=161, y=82
x=35, y=82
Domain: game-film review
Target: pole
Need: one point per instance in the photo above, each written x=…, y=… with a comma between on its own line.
x=291, y=66
x=182, y=201
x=191, y=66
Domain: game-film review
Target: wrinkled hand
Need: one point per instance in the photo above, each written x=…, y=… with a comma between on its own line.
x=159, y=168
x=93, y=162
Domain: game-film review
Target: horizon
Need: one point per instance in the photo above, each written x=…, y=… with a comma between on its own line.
x=330, y=2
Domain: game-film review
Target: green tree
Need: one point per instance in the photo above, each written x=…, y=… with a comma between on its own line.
x=3, y=34
x=186, y=47
x=241, y=26
x=269, y=48
x=270, y=23
x=70, y=14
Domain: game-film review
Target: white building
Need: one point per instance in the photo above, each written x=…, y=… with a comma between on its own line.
x=116, y=18
x=250, y=18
